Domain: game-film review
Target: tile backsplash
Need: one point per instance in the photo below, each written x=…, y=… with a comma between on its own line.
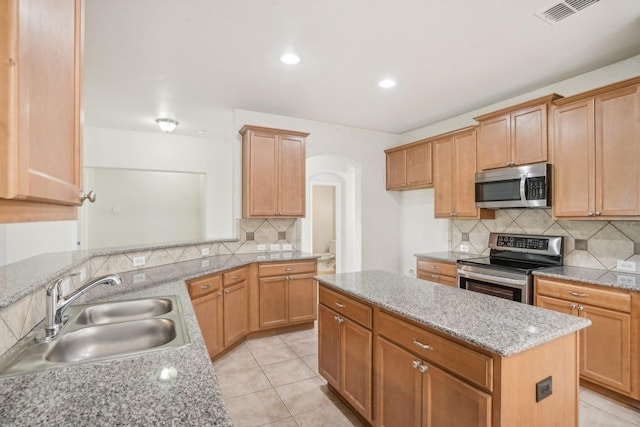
x=591, y=244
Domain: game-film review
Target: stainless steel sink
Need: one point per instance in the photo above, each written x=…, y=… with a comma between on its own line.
x=122, y=311
x=105, y=331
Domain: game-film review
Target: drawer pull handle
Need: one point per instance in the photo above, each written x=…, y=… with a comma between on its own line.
x=577, y=294
x=435, y=267
x=340, y=305
x=422, y=346
x=288, y=269
x=423, y=368
x=205, y=287
x=235, y=277
x=434, y=276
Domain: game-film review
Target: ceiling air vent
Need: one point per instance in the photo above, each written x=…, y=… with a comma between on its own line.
x=559, y=11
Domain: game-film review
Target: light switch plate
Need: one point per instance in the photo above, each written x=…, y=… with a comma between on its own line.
x=275, y=247
x=261, y=247
x=464, y=248
x=139, y=261
x=287, y=247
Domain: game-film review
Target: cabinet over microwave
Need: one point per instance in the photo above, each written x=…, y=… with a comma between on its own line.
x=527, y=186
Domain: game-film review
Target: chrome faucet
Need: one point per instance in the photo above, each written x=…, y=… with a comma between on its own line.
x=57, y=303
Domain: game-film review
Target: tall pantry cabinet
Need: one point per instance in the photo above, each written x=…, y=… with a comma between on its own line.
x=40, y=93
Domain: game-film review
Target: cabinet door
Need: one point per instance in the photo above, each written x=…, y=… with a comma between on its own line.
x=356, y=349
x=444, y=198
x=573, y=160
x=449, y=402
x=555, y=304
x=398, y=386
x=529, y=135
x=396, y=170
x=208, y=310
x=303, y=299
x=618, y=152
x=329, y=346
x=236, y=315
x=291, y=177
x=273, y=302
x=260, y=182
x=494, y=149
x=418, y=166
x=465, y=175
x=605, y=355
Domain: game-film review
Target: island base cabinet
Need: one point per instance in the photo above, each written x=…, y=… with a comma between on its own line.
x=344, y=358
x=411, y=392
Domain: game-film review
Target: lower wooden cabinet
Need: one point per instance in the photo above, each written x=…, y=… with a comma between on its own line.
x=412, y=392
x=344, y=358
x=608, y=348
x=206, y=297
x=437, y=271
x=236, y=312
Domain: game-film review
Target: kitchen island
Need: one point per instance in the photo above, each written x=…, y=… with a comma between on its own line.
x=438, y=355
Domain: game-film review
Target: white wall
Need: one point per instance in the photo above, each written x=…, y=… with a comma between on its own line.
x=324, y=216
x=112, y=148
x=422, y=234
x=24, y=240
x=380, y=210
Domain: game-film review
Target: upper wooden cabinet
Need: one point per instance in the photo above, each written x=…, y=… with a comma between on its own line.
x=454, y=159
x=273, y=173
x=40, y=92
x=596, y=153
x=514, y=136
x=409, y=166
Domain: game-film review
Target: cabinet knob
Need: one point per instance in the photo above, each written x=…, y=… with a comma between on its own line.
x=226, y=291
x=507, y=163
x=580, y=308
x=415, y=363
x=423, y=368
x=573, y=306
x=219, y=293
x=590, y=214
x=91, y=196
x=598, y=213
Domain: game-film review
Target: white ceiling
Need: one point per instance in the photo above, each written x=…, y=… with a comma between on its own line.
x=195, y=59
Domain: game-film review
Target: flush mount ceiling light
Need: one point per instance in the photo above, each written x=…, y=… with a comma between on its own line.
x=387, y=83
x=167, y=125
x=290, y=58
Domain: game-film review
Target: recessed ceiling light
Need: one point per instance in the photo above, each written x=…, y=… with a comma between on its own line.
x=290, y=58
x=387, y=83
x=167, y=125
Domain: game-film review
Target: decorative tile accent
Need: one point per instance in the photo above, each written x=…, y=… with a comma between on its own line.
x=636, y=248
x=465, y=237
x=282, y=235
x=250, y=235
x=581, y=244
x=610, y=245
x=15, y=315
x=7, y=338
x=266, y=234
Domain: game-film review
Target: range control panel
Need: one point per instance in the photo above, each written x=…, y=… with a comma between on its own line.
x=521, y=242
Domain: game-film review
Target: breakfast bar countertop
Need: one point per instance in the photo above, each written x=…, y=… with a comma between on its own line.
x=497, y=325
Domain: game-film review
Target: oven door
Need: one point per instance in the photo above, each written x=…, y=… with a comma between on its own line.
x=511, y=286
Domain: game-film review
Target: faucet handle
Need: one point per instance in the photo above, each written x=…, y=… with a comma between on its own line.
x=56, y=285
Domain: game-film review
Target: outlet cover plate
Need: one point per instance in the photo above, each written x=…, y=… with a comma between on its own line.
x=261, y=247
x=275, y=247
x=287, y=247
x=464, y=248
x=139, y=261
x=204, y=251
x=626, y=265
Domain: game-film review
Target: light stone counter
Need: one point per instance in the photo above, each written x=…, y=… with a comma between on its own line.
x=500, y=326
x=608, y=278
x=130, y=391
x=446, y=256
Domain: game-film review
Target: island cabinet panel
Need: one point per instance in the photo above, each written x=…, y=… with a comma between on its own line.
x=287, y=293
x=514, y=136
x=410, y=166
x=437, y=271
x=345, y=351
x=608, y=348
x=41, y=45
x=596, y=154
x=273, y=173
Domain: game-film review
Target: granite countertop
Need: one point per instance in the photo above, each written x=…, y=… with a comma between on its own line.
x=500, y=326
x=447, y=256
x=130, y=391
x=608, y=278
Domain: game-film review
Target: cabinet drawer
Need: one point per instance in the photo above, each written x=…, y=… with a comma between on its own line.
x=286, y=268
x=599, y=297
x=430, y=267
x=350, y=308
x=469, y=364
x=234, y=276
x=204, y=285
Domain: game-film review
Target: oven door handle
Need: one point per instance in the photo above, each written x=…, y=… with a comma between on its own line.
x=493, y=279
x=523, y=196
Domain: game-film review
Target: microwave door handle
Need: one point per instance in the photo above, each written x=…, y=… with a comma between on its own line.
x=523, y=196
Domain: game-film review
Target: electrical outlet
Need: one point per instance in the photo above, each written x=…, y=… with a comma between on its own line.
x=287, y=247
x=140, y=277
x=261, y=247
x=139, y=261
x=625, y=280
x=275, y=247
x=83, y=274
x=626, y=265
x=544, y=389
x=464, y=248
x=205, y=263
x=204, y=251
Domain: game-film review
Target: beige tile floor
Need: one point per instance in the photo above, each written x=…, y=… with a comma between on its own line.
x=274, y=381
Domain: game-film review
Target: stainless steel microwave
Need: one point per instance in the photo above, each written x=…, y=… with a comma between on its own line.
x=527, y=186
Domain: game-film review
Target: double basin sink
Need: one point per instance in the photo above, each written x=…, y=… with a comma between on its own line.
x=106, y=331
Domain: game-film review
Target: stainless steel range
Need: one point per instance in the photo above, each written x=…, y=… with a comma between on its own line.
x=506, y=272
